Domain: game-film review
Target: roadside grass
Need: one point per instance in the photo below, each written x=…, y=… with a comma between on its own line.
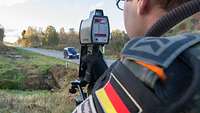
x=37, y=59
x=14, y=71
x=14, y=99
x=10, y=75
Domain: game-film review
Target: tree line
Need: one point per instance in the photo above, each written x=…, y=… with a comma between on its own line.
x=33, y=37
x=50, y=38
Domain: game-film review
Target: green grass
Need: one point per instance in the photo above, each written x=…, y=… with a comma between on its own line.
x=25, y=93
x=10, y=75
x=13, y=99
x=37, y=59
x=14, y=72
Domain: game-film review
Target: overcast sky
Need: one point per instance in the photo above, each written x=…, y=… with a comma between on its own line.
x=18, y=14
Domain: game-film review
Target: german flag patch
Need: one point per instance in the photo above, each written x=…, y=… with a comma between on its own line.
x=114, y=98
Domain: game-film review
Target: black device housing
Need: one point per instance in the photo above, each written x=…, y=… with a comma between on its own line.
x=88, y=49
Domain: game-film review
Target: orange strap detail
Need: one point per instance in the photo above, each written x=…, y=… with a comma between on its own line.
x=159, y=71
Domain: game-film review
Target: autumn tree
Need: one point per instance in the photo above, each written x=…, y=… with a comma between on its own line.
x=62, y=30
x=30, y=38
x=73, y=38
x=68, y=39
x=62, y=36
x=117, y=41
x=51, y=36
x=23, y=34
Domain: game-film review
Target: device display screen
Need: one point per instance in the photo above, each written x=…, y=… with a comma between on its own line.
x=100, y=30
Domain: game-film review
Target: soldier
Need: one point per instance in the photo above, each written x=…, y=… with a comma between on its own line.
x=152, y=76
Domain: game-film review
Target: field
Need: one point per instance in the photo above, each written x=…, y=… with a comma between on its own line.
x=15, y=101
x=32, y=83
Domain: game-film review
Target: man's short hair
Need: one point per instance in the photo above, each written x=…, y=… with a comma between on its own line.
x=170, y=4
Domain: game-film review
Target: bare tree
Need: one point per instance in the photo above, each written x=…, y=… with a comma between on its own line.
x=1, y=33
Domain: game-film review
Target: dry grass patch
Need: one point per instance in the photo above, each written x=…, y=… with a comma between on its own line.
x=35, y=102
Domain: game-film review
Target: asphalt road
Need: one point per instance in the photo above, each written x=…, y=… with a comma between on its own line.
x=59, y=55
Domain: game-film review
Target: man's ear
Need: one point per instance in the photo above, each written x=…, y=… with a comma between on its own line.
x=143, y=6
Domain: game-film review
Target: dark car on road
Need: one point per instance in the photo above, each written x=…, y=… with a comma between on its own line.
x=71, y=53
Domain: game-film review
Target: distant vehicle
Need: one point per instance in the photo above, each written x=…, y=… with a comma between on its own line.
x=71, y=53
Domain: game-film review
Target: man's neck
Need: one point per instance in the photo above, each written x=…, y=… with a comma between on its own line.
x=154, y=15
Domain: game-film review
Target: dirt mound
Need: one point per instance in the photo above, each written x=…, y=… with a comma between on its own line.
x=58, y=74
x=62, y=75
x=58, y=77
x=35, y=83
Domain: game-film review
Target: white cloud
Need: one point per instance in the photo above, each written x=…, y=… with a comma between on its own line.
x=98, y=5
x=11, y=2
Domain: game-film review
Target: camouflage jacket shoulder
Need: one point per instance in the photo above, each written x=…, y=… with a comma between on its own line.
x=160, y=51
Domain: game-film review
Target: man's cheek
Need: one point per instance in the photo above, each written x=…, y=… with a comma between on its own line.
x=126, y=16
x=128, y=19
